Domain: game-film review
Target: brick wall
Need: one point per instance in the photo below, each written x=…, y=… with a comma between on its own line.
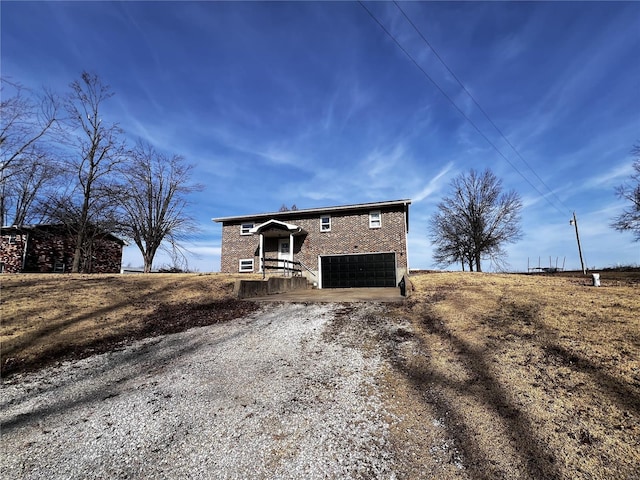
x=11, y=248
x=46, y=250
x=350, y=233
x=236, y=247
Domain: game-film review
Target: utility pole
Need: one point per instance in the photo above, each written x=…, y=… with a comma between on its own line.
x=574, y=222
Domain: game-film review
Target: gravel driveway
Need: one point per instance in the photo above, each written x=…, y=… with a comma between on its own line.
x=268, y=396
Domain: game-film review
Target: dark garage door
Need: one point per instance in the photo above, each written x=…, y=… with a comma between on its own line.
x=363, y=270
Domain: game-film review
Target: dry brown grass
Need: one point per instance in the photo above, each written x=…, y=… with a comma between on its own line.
x=510, y=376
x=48, y=318
x=534, y=377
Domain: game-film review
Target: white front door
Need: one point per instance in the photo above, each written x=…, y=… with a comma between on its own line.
x=284, y=251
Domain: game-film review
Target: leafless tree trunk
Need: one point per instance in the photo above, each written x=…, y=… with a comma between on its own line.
x=64, y=209
x=154, y=199
x=474, y=221
x=99, y=148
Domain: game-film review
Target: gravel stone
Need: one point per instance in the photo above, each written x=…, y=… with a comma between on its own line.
x=266, y=396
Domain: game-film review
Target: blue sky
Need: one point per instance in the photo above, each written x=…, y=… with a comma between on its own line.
x=314, y=104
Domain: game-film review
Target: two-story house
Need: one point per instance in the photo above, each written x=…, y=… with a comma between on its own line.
x=363, y=245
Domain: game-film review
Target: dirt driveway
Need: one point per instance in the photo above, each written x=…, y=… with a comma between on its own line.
x=288, y=392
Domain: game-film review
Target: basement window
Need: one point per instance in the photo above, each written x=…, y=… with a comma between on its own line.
x=375, y=219
x=246, y=265
x=245, y=228
x=325, y=223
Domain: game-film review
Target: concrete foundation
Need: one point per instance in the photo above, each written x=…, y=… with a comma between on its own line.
x=261, y=288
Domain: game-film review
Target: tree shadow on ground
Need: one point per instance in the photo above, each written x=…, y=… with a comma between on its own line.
x=165, y=319
x=620, y=393
x=515, y=325
x=104, y=383
x=486, y=390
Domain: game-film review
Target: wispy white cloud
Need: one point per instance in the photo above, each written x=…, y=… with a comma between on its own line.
x=434, y=185
x=379, y=162
x=608, y=178
x=347, y=100
x=534, y=199
x=311, y=103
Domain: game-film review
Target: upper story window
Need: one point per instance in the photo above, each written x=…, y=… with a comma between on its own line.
x=245, y=228
x=375, y=219
x=325, y=223
x=12, y=239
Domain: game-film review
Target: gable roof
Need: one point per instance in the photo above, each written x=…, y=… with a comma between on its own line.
x=277, y=225
x=315, y=211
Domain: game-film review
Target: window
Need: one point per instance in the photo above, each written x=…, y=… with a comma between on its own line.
x=12, y=239
x=325, y=223
x=245, y=227
x=375, y=219
x=246, y=265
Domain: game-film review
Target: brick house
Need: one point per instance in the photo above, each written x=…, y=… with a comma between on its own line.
x=363, y=245
x=50, y=248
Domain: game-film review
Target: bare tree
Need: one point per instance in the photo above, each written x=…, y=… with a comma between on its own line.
x=474, y=221
x=28, y=189
x=451, y=243
x=284, y=208
x=99, y=150
x=154, y=200
x=25, y=121
x=63, y=208
x=629, y=219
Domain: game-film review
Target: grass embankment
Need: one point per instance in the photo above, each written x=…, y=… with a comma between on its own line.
x=49, y=318
x=532, y=376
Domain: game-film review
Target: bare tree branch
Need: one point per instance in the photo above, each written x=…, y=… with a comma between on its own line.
x=28, y=187
x=99, y=149
x=154, y=199
x=475, y=221
x=629, y=219
x=24, y=121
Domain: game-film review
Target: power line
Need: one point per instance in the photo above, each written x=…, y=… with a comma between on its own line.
x=478, y=104
x=464, y=115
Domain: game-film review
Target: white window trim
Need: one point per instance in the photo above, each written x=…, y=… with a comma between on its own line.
x=377, y=222
x=246, y=269
x=321, y=224
x=246, y=231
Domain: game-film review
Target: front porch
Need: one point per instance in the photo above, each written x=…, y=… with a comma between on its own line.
x=277, y=247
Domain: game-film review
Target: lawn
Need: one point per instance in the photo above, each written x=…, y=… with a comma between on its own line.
x=530, y=376
x=49, y=318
